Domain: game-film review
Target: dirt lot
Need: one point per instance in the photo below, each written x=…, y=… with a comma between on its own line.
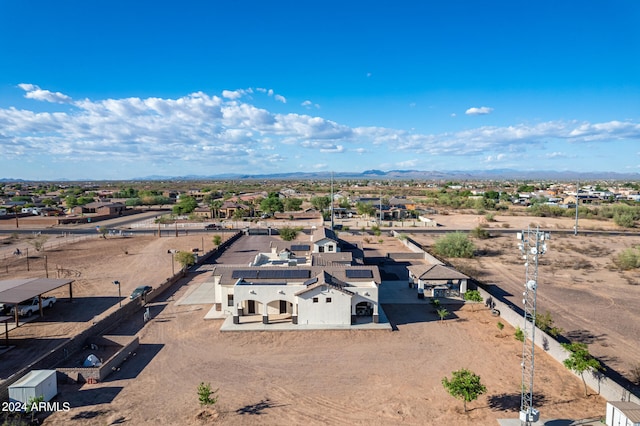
x=587, y=296
x=316, y=377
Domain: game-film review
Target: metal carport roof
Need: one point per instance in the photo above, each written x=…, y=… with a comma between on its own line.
x=13, y=292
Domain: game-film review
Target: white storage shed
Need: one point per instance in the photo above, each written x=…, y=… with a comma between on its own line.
x=623, y=413
x=34, y=384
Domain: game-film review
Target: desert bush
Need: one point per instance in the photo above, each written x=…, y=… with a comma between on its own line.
x=490, y=217
x=519, y=334
x=480, y=233
x=624, y=219
x=628, y=259
x=206, y=396
x=506, y=225
x=288, y=234
x=456, y=244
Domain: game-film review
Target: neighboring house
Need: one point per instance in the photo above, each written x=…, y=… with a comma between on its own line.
x=203, y=212
x=438, y=280
x=100, y=208
x=229, y=208
x=324, y=240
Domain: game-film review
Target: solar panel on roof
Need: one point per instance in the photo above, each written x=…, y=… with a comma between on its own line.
x=311, y=281
x=359, y=273
x=283, y=274
x=251, y=273
x=301, y=247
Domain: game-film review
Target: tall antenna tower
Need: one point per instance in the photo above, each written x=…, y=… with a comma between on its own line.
x=532, y=245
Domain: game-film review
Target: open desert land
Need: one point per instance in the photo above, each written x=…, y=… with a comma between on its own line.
x=314, y=377
x=587, y=296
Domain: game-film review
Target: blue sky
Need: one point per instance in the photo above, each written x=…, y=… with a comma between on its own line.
x=123, y=89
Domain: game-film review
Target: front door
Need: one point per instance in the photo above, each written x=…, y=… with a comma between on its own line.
x=283, y=306
x=252, y=306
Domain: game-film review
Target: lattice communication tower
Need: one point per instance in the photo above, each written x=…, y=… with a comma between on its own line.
x=532, y=244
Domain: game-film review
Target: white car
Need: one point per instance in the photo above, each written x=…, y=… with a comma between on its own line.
x=29, y=307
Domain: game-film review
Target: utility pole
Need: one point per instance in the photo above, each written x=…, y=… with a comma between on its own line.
x=575, y=228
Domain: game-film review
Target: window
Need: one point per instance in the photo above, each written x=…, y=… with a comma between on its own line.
x=229, y=299
x=315, y=300
x=329, y=248
x=328, y=300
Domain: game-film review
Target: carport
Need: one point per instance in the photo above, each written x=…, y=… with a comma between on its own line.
x=12, y=292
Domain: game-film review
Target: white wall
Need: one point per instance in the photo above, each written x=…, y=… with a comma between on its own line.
x=338, y=312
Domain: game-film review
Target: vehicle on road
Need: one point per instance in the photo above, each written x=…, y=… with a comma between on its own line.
x=29, y=307
x=213, y=226
x=141, y=291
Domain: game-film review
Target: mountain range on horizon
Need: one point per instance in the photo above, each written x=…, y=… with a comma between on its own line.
x=494, y=174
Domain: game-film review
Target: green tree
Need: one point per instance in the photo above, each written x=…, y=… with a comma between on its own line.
x=580, y=360
x=206, y=396
x=38, y=242
x=545, y=323
x=455, y=244
x=103, y=232
x=442, y=313
x=239, y=214
x=215, y=206
x=473, y=296
x=365, y=209
x=320, y=203
x=292, y=204
x=185, y=205
x=185, y=259
x=70, y=201
x=288, y=234
x=464, y=385
x=272, y=204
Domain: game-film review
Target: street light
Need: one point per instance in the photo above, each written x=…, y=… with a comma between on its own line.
x=119, y=293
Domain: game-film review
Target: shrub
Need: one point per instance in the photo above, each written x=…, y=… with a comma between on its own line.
x=454, y=245
x=519, y=335
x=624, y=219
x=480, y=233
x=500, y=325
x=628, y=259
x=206, y=396
x=288, y=234
x=490, y=217
x=473, y=296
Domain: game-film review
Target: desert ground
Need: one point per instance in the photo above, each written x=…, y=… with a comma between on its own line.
x=314, y=377
x=587, y=296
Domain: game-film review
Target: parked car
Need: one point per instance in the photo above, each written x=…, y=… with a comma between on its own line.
x=28, y=307
x=213, y=226
x=141, y=291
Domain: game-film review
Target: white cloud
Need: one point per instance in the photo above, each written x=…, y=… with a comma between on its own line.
x=229, y=130
x=34, y=92
x=479, y=111
x=280, y=98
x=308, y=104
x=232, y=94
